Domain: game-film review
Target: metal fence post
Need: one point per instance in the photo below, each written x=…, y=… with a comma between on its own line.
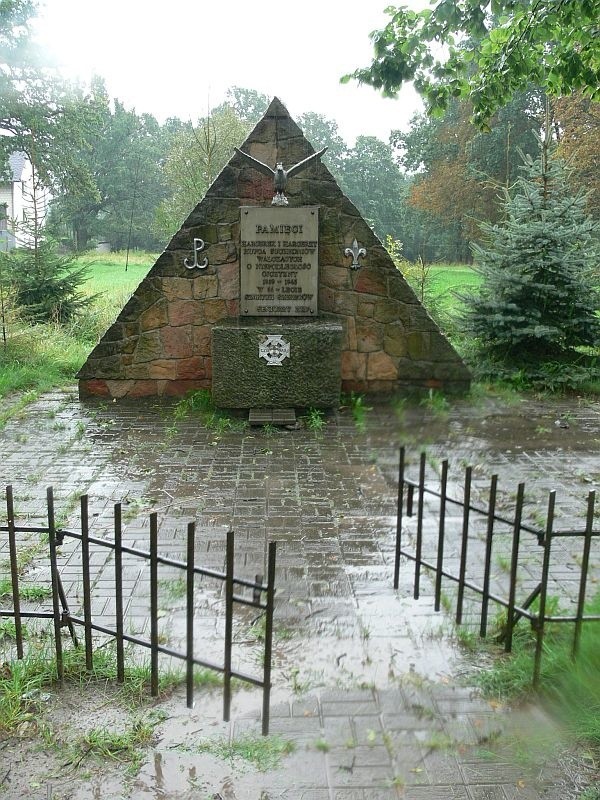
x=489, y=538
x=154, y=604
x=419, y=542
x=399, y=518
x=118, y=529
x=441, y=535
x=229, y=563
x=14, y=568
x=268, y=637
x=514, y=564
x=85, y=572
x=54, y=578
x=585, y=561
x=541, y=622
x=464, y=545
x=189, y=638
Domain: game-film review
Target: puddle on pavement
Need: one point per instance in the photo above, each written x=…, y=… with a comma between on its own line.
x=338, y=622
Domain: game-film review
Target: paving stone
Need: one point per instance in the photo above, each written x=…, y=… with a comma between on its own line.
x=528, y=792
x=280, y=710
x=368, y=730
x=461, y=705
x=410, y=722
x=441, y=766
x=449, y=792
x=346, y=709
x=338, y=732
x=365, y=777
x=298, y=729
x=307, y=707
x=359, y=757
x=482, y=792
x=346, y=695
x=365, y=794
x=491, y=772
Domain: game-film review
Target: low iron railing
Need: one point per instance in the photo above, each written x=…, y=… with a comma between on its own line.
x=479, y=583
x=261, y=596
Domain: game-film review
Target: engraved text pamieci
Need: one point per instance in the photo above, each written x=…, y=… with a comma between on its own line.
x=279, y=262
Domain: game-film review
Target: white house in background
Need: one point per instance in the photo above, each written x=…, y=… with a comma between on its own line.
x=16, y=201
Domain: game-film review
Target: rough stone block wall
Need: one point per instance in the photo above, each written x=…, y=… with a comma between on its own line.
x=161, y=341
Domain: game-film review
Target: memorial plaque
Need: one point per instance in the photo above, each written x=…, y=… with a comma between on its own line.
x=279, y=261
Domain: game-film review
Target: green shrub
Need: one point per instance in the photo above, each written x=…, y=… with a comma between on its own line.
x=538, y=300
x=45, y=285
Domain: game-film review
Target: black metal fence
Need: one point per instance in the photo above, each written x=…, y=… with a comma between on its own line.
x=472, y=571
x=237, y=591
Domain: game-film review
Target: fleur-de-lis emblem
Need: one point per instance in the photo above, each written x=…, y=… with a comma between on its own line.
x=355, y=252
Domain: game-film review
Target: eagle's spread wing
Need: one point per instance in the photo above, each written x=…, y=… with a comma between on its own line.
x=258, y=165
x=304, y=163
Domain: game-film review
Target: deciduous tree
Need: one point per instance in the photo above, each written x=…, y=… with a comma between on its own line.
x=124, y=157
x=197, y=155
x=578, y=120
x=490, y=49
x=376, y=185
x=40, y=114
x=459, y=170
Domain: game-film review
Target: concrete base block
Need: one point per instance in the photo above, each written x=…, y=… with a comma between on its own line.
x=309, y=377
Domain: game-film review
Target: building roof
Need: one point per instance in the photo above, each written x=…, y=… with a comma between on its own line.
x=16, y=163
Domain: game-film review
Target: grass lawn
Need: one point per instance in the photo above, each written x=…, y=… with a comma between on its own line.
x=108, y=275
x=445, y=281
x=449, y=277
x=37, y=358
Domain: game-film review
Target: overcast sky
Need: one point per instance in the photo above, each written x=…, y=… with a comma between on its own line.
x=178, y=57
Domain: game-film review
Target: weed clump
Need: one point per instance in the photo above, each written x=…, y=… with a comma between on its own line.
x=199, y=403
x=570, y=688
x=315, y=419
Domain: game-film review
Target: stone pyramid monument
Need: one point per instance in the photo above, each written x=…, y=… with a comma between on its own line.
x=192, y=323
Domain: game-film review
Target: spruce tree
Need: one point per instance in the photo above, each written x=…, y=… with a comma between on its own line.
x=538, y=299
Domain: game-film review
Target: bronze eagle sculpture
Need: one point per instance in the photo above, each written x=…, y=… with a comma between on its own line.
x=279, y=174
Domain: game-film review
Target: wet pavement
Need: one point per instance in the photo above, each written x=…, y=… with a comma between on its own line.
x=368, y=682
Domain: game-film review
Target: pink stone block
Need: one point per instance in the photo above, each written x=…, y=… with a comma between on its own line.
x=94, y=387
x=143, y=389
x=381, y=367
x=177, y=342
x=180, y=388
x=205, y=286
x=119, y=388
x=177, y=288
x=184, y=312
x=229, y=281
x=354, y=365
x=154, y=317
x=369, y=335
x=214, y=310
x=335, y=277
x=370, y=281
x=233, y=308
x=191, y=368
x=163, y=370
x=201, y=340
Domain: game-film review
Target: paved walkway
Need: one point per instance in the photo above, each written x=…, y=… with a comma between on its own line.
x=365, y=678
